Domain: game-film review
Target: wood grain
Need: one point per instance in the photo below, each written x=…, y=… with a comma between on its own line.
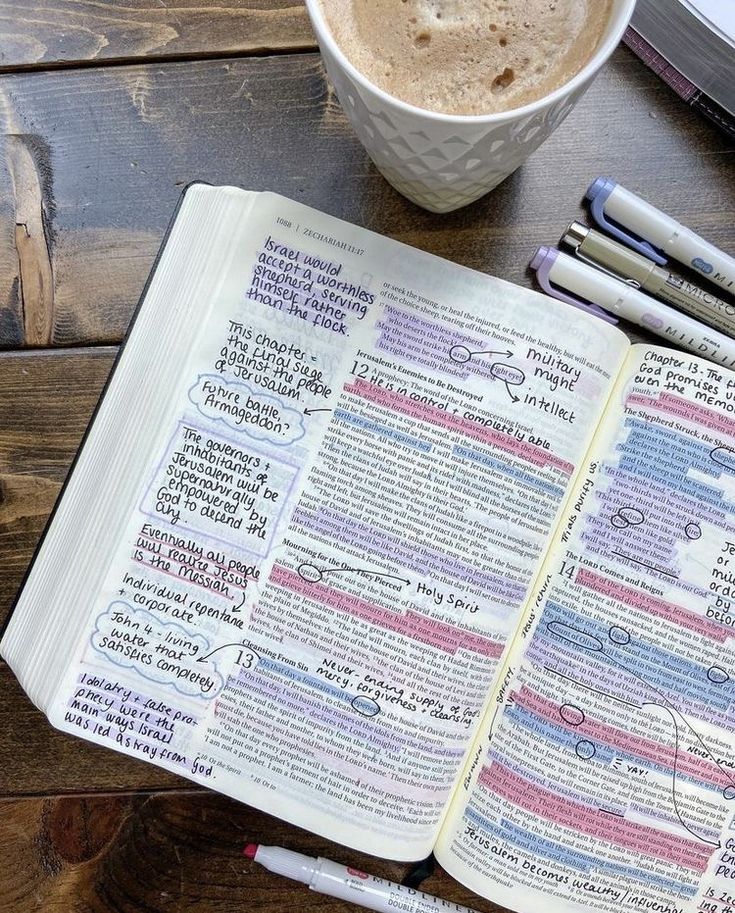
x=112, y=148
x=93, y=161
x=47, y=400
x=170, y=853
x=44, y=33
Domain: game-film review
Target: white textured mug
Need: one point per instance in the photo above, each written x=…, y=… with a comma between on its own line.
x=444, y=161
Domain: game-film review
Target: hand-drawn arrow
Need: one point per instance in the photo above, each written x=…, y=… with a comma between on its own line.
x=203, y=659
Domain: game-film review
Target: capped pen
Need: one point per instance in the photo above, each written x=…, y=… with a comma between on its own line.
x=599, y=293
x=345, y=883
x=646, y=229
x=641, y=272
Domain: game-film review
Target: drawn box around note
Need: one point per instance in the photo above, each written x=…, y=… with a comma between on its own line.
x=220, y=487
x=159, y=651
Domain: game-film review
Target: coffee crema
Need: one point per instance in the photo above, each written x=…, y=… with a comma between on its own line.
x=468, y=56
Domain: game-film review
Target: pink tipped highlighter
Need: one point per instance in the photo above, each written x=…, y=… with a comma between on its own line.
x=358, y=887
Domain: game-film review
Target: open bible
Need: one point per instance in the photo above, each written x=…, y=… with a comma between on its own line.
x=408, y=556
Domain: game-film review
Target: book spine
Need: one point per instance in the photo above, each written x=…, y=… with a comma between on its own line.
x=676, y=80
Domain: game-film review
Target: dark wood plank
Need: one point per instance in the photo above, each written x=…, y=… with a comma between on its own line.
x=95, y=160
x=43, y=33
x=169, y=853
x=47, y=401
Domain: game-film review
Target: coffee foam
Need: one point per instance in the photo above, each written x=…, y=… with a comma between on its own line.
x=468, y=56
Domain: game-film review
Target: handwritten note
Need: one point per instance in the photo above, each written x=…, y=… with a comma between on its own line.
x=219, y=487
x=162, y=652
x=311, y=288
x=242, y=408
x=273, y=363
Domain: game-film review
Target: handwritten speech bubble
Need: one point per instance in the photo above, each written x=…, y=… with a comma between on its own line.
x=242, y=408
x=160, y=651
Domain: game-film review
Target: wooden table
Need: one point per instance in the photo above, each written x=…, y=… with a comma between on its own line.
x=108, y=109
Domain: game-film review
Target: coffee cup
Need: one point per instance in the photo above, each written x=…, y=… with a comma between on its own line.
x=444, y=161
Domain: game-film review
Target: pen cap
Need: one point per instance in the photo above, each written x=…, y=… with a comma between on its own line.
x=575, y=234
x=543, y=261
x=286, y=862
x=603, y=251
x=616, y=210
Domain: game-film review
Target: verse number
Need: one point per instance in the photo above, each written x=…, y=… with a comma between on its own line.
x=360, y=369
x=248, y=659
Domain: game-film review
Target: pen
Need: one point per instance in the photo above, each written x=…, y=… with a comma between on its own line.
x=654, y=234
x=641, y=272
x=590, y=289
x=334, y=880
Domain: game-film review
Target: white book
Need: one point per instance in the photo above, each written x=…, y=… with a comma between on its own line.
x=697, y=37
x=718, y=15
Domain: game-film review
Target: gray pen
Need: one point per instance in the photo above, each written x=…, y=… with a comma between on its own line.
x=640, y=272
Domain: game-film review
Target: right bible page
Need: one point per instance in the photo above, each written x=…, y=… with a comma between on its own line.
x=604, y=775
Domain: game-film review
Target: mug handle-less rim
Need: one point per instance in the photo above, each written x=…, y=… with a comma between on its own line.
x=619, y=21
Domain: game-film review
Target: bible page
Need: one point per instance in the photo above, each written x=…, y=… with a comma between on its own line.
x=341, y=517
x=604, y=778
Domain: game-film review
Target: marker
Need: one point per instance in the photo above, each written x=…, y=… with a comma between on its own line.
x=334, y=880
x=591, y=290
x=654, y=234
x=641, y=272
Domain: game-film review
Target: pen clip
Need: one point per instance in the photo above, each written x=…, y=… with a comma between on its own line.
x=598, y=194
x=542, y=263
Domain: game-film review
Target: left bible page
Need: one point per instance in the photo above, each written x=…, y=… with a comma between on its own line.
x=342, y=510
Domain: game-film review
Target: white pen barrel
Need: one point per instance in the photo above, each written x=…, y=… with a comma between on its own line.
x=685, y=332
x=710, y=262
x=375, y=893
x=671, y=237
x=287, y=863
x=640, y=217
x=589, y=283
